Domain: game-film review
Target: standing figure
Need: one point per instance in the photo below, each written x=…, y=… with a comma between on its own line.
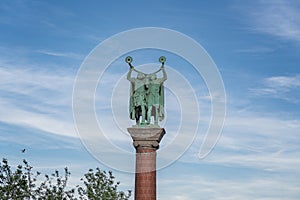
x=155, y=95
x=137, y=101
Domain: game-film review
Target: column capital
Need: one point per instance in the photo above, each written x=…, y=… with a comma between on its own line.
x=146, y=137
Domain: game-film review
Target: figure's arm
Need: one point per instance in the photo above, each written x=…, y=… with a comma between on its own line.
x=162, y=60
x=128, y=60
x=164, y=72
x=129, y=74
x=131, y=66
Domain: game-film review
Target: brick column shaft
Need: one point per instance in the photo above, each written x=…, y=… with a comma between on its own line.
x=145, y=177
x=146, y=142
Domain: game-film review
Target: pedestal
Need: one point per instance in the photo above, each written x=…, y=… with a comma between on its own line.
x=146, y=142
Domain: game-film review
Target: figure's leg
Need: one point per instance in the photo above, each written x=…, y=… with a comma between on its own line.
x=137, y=116
x=143, y=114
x=149, y=114
x=133, y=115
x=156, y=115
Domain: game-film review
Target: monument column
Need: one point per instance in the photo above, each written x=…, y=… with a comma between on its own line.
x=146, y=142
x=146, y=101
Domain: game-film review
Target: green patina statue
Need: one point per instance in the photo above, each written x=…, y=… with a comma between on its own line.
x=146, y=95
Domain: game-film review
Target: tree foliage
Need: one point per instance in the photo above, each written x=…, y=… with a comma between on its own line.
x=22, y=183
x=99, y=185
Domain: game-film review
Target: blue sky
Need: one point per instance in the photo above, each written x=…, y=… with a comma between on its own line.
x=255, y=46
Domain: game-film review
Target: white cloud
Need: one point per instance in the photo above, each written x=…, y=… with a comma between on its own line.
x=281, y=87
x=283, y=81
x=251, y=140
x=31, y=81
x=45, y=122
x=36, y=98
x=279, y=18
x=60, y=54
x=195, y=186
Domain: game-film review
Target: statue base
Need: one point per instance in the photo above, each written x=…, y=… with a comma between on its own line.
x=145, y=126
x=146, y=137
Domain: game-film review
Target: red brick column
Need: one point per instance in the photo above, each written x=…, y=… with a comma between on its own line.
x=146, y=142
x=145, y=176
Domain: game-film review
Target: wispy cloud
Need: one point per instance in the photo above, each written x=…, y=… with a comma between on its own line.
x=250, y=140
x=36, y=98
x=287, y=82
x=281, y=87
x=35, y=83
x=42, y=121
x=60, y=54
x=246, y=188
x=279, y=18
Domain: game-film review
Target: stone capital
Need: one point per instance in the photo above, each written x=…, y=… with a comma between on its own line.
x=146, y=137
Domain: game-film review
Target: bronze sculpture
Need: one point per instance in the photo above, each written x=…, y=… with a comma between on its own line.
x=146, y=95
